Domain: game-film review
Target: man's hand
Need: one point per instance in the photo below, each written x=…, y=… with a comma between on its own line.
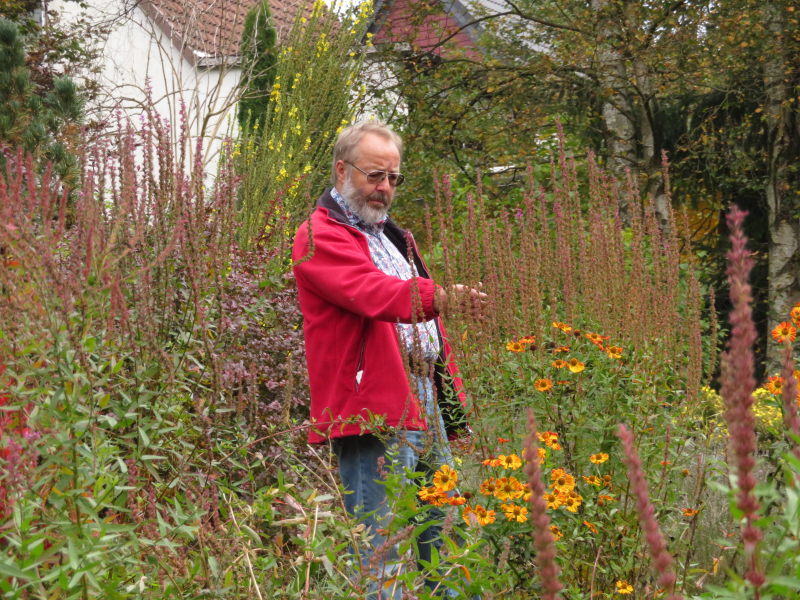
x=460, y=298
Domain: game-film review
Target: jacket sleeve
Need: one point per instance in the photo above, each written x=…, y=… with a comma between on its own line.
x=342, y=273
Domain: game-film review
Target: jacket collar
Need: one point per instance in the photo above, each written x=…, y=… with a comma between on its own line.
x=327, y=202
x=398, y=236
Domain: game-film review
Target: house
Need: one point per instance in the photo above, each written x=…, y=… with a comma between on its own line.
x=182, y=53
x=399, y=22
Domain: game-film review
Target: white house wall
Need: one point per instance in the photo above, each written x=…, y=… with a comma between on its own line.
x=137, y=54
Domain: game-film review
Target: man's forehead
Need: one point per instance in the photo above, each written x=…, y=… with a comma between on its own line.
x=377, y=147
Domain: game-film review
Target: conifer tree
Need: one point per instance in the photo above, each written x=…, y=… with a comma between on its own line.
x=257, y=51
x=42, y=122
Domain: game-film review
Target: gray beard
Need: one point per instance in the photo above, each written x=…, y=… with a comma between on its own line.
x=358, y=204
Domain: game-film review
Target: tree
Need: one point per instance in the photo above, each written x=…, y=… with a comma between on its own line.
x=258, y=64
x=43, y=122
x=714, y=85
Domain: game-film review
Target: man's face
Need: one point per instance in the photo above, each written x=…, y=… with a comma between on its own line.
x=370, y=201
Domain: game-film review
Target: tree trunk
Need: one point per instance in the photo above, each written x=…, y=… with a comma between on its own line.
x=628, y=118
x=782, y=182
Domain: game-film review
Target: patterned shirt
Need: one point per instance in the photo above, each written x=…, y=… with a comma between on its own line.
x=391, y=261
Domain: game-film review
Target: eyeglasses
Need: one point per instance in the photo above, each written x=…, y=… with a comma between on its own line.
x=374, y=177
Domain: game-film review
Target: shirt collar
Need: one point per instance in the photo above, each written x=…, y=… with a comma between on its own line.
x=352, y=218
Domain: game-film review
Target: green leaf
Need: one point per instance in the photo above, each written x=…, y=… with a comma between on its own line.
x=11, y=570
x=144, y=437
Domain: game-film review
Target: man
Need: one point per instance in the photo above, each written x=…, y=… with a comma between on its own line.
x=378, y=362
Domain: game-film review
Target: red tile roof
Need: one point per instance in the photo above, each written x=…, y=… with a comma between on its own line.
x=207, y=32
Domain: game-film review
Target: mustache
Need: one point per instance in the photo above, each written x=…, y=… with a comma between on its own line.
x=380, y=196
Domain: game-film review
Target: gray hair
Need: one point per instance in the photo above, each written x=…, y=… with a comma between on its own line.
x=345, y=146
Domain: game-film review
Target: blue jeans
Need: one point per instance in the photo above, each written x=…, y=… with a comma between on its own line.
x=416, y=451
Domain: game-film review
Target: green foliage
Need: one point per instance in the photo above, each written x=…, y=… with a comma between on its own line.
x=18, y=9
x=152, y=434
x=257, y=55
x=41, y=122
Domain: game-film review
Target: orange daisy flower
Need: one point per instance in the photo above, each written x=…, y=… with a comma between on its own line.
x=491, y=462
x=575, y=366
x=556, y=531
x=457, y=501
x=528, y=339
x=795, y=314
x=552, y=501
x=542, y=455
x=598, y=458
x=514, y=512
x=512, y=461
x=604, y=499
x=550, y=439
x=445, y=478
x=508, y=488
x=593, y=480
x=689, y=512
x=784, y=331
x=559, y=364
x=572, y=501
x=526, y=492
x=484, y=516
x=469, y=516
x=614, y=352
x=623, y=587
x=489, y=487
x=559, y=349
x=562, y=326
x=591, y=526
x=562, y=481
x=432, y=495
x=515, y=347
x=774, y=385
x=543, y=385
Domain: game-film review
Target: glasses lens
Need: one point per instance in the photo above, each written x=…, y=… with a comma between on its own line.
x=396, y=179
x=376, y=176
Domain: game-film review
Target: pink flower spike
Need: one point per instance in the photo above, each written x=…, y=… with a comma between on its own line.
x=660, y=556
x=543, y=539
x=737, y=385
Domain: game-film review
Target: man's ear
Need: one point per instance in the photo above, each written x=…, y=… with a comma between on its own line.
x=341, y=171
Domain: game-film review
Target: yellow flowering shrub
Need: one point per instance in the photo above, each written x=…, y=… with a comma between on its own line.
x=313, y=95
x=710, y=409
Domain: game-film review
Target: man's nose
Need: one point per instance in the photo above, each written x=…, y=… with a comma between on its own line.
x=383, y=185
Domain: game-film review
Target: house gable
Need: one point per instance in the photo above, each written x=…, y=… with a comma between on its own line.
x=395, y=22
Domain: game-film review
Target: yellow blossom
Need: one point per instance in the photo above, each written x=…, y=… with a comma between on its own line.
x=514, y=512
x=623, y=587
x=575, y=366
x=445, y=478
x=508, y=488
x=512, y=461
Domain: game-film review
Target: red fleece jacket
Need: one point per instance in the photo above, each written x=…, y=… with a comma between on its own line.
x=349, y=308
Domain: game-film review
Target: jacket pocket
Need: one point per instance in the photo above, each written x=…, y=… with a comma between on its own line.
x=360, y=363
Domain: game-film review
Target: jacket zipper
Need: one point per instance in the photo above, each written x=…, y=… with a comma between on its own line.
x=360, y=365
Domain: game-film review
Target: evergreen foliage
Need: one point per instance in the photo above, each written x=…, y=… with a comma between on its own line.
x=42, y=122
x=258, y=58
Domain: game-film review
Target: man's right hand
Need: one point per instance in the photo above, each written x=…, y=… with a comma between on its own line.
x=460, y=298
